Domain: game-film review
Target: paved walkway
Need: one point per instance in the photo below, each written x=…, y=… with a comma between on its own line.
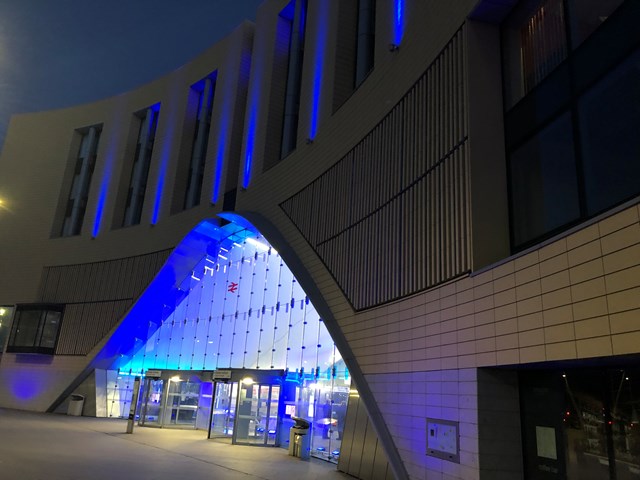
x=40, y=446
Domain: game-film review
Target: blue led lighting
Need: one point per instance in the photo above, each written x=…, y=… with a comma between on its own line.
x=104, y=186
x=398, y=30
x=318, y=67
x=253, y=64
x=248, y=159
x=101, y=201
x=219, y=164
x=164, y=161
x=25, y=388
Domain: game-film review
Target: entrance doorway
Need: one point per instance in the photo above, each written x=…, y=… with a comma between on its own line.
x=581, y=423
x=175, y=399
x=246, y=408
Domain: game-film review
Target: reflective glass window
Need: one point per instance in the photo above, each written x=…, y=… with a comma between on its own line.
x=610, y=131
x=544, y=188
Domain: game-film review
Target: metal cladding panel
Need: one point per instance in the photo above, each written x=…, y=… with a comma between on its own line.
x=391, y=217
x=96, y=296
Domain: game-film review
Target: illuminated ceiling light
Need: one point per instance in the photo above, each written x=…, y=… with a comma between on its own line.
x=2, y=310
x=247, y=381
x=176, y=378
x=257, y=244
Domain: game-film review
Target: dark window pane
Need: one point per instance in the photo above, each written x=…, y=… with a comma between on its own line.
x=587, y=15
x=27, y=326
x=610, y=131
x=544, y=193
x=534, y=39
x=50, y=329
x=35, y=329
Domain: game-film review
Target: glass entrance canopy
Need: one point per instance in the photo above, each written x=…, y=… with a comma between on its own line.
x=239, y=306
x=225, y=299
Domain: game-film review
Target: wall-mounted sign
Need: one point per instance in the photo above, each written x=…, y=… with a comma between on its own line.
x=153, y=373
x=443, y=440
x=222, y=374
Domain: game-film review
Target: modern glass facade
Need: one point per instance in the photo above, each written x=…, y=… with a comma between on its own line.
x=240, y=308
x=571, y=95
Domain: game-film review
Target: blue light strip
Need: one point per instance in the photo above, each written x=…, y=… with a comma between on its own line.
x=164, y=160
x=104, y=187
x=248, y=159
x=101, y=201
x=166, y=152
x=219, y=163
x=321, y=34
x=254, y=64
x=398, y=22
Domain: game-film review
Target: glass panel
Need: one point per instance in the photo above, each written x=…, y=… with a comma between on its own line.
x=625, y=424
x=544, y=192
x=587, y=15
x=610, y=130
x=5, y=322
x=151, y=402
x=204, y=405
x=50, y=329
x=247, y=430
x=585, y=426
x=27, y=324
x=534, y=42
x=272, y=419
x=224, y=404
x=182, y=403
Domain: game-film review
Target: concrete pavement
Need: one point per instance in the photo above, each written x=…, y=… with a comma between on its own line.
x=40, y=446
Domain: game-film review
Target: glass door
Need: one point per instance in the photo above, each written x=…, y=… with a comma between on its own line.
x=257, y=415
x=204, y=406
x=223, y=410
x=182, y=403
x=151, y=402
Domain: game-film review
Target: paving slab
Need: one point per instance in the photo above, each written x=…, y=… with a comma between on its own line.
x=41, y=446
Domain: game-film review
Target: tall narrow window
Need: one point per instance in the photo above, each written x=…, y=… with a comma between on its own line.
x=366, y=39
x=139, y=173
x=294, y=78
x=79, y=192
x=205, y=91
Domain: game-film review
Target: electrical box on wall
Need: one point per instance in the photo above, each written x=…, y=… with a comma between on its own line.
x=443, y=440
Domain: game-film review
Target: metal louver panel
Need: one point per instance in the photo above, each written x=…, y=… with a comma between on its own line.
x=391, y=217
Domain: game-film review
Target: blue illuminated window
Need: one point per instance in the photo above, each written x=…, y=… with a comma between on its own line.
x=148, y=121
x=200, y=120
x=297, y=24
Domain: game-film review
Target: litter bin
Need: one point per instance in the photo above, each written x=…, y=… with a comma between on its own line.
x=75, y=405
x=299, y=438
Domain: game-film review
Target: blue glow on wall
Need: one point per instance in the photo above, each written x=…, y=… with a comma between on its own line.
x=248, y=159
x=219, y=164
x=253, y=64
x=25, y=389
x=318, y=67
x=100, y=207
x=398, y=30
x=162, y=171
x=104, y=188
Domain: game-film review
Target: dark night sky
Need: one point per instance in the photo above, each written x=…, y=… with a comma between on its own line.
x=58, y=53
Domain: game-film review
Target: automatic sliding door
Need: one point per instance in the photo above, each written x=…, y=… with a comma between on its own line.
x=257, y=418
x=223, y=410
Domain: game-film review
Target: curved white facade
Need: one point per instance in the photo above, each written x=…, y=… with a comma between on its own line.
x=464, y=253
